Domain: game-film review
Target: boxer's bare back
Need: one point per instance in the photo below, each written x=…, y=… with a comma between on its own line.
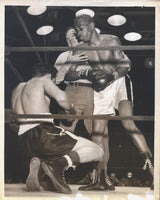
x=33, y=97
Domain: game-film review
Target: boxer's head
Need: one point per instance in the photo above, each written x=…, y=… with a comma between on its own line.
x=41, y=69
x=84, y=26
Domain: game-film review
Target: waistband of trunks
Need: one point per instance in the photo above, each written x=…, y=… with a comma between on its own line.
x=80, y=84
x=25, y=127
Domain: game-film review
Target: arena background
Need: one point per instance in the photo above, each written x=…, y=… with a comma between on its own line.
x=20, y=31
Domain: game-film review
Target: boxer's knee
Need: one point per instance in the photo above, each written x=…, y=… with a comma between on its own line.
x=98, y=139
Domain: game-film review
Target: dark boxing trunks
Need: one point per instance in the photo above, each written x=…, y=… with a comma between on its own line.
x=46, y=141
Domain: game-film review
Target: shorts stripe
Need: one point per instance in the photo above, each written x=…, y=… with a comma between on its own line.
x=128, y=87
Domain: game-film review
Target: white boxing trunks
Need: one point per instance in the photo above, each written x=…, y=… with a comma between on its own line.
x=107, y=100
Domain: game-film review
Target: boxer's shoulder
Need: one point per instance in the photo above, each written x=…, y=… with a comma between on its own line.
x=109, y=39
x=19, y=86
x=82, y=45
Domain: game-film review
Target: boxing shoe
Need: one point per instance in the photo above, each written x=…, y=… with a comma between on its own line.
x=102, y=182
x=109, y=183
x=55, y=171
x=46, y=184
x=148, y=165
x=84, y=181
x=32, y=182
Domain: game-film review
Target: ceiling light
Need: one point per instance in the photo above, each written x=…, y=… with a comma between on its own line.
x=89, y=12
x=132, y=36
x=116, y=20
x=44, y=30
x=36, y=9
x=98, y=30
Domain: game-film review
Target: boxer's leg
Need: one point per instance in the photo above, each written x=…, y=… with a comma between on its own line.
x=32, y=182
x=125, y=109
x=99, y=128
x=100, y=137
x=83, y=151
x=87, y=150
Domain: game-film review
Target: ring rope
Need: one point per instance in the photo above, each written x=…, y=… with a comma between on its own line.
x=63, y=48
x=69, y=116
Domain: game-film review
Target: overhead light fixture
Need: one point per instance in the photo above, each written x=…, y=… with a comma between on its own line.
x=36, y=9
x=98, y=30
x=44, y=30
x=116, y=20
x=132, y=36
x=89, y=12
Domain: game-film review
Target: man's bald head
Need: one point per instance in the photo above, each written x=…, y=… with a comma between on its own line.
x=83, y=18
x=85, y=27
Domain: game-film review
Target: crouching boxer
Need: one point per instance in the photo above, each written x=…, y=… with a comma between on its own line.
x=112, y=90
x=48, y=148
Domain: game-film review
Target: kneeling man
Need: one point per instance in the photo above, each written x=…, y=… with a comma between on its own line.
x=48, y=148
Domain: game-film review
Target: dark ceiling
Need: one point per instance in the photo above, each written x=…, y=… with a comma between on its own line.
x=140, y=19
x=20, y=31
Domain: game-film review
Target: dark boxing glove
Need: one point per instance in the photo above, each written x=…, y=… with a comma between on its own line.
x=99, y=78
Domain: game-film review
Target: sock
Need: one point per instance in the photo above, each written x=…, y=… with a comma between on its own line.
x=100, y=165
x=74, y=157
x=148, y=163
x=146, y=155
x=62, y=161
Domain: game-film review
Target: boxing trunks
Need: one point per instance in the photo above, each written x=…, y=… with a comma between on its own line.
x=46, y=141
x=107, y=100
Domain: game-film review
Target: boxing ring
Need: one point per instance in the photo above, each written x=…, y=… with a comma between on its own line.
x=120, y=193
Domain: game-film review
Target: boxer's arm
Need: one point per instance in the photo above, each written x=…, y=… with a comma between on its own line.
x=72, y=74
x=120, y=72
x=122, y=67
x=54, y=92
x=62, y=66
x=119, y=62
x=120, y=59
x=62, y=99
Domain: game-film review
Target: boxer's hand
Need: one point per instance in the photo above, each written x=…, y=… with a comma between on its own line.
x=80, y=58
x=71, y=37
x=70, y=32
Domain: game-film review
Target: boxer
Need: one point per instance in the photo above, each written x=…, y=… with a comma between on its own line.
x=114, y=93
x=47, y=147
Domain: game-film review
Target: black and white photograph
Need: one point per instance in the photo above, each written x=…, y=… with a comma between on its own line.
x=63, y=137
